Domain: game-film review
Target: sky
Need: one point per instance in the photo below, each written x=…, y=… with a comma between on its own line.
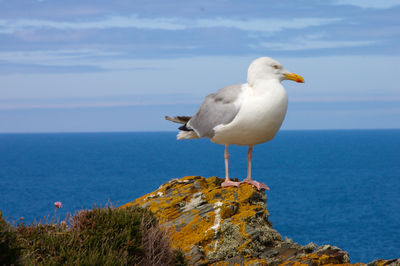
x=100, y=66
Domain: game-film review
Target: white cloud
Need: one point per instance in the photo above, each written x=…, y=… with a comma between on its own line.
x=266, y=25
x=55, y=57
x=10, y=26
x=71, y=105
x=299, y=45
x=331, y=76
x=152, y=100
x=173, y=23
x=346, y=99
x=380, y=4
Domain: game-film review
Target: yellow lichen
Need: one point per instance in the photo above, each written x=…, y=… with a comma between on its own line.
x=221, y=263
x=244, y=245
x=174, y=204
x=318, y=260
x=192, y=233
x=255, y=261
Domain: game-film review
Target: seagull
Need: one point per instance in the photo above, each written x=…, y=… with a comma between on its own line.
x=242, y=114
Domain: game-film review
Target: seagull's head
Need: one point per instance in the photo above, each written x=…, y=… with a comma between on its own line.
x=266, y=68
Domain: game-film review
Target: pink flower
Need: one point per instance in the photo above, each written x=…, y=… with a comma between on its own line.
x=58, y=204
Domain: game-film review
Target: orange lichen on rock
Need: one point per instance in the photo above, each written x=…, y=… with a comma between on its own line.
x=195, y=231
x=228, y=226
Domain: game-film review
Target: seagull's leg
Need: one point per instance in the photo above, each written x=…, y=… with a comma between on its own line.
x=248, y=179
x=228, y=182
x=249, y=157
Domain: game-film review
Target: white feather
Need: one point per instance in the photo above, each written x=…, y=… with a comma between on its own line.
x=263, y=109
x=187, y=135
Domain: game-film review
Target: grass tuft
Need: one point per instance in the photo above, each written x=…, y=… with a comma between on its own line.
x=101, y=236
x=9, y=250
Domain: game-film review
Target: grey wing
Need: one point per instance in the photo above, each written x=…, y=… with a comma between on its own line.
x=218, y=108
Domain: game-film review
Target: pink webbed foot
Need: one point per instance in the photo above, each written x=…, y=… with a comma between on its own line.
x=257, y=184
x=229, y=183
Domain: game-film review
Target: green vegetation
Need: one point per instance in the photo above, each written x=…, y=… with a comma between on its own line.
x=102, y=236
x=9, y=251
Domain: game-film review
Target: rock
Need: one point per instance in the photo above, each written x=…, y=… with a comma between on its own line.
x=230, y=226
x=395, y=262
x=196, y=254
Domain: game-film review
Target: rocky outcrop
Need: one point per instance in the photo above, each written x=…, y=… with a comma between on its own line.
x=229, y=226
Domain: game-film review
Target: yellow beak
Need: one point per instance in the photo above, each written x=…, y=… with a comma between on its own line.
x=294, y=77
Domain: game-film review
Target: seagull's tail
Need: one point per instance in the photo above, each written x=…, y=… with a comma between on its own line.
x=185, y=131
x=187, y=135
x=178, y=119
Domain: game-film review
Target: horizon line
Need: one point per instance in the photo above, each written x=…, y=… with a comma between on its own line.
x=172, y=131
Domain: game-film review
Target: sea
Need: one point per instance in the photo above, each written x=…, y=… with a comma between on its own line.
x=337, y=187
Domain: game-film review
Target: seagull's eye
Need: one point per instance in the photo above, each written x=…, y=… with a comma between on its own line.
x=276, y=66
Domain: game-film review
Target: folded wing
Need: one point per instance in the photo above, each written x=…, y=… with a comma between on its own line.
x=218, y=108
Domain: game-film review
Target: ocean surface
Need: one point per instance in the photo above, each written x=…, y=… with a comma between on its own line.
x=329, y=187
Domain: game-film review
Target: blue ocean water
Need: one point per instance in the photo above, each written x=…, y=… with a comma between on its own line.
x=329, y=187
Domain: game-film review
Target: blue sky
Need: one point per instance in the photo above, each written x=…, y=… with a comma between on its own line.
x=68, y=66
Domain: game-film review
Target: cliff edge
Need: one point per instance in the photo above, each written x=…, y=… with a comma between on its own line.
x=230, y=226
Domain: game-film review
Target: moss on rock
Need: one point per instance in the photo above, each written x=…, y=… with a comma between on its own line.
x=230, y=240
x=228, y=226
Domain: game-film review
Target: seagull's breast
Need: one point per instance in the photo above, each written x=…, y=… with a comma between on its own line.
x=261, y=114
